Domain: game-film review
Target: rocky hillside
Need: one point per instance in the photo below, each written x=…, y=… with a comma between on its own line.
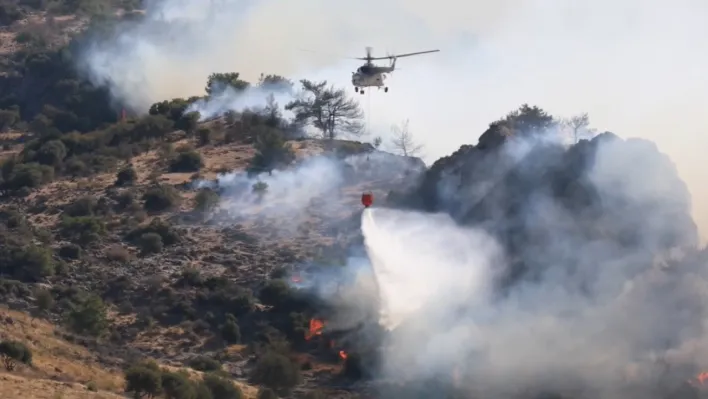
x=134, y=245
x=159, y=235
x=165, y=279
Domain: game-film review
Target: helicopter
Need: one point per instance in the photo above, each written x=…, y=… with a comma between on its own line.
x=370, y=75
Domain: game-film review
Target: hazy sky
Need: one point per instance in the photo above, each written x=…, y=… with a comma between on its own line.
x=636, y=66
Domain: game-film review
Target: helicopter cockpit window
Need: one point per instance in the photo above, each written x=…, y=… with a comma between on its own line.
x=364, y=69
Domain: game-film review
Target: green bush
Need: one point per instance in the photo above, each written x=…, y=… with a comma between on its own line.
x=230, y=330
x=29, y=175
x=283, y=298
x=83, y=229
x=222, y=388
x=125, y=200
x=32, y=263
x=206, y=200
x=297, y=327
x=203, y=391
x=272, y=151
x=161, y=198
x=126, y=177
x=84, y=206
x=35, y=36
x=8, y=118
x=186, y=161
x=178, y=386
x=188, y=122
x=142, y=380
x=70, y=251
x=43, y=299
x=150, y=243
x=13, y=218
x=51, y=153
x=167, y=233
x=12, y=352
x=204, y=136
x=276, y=371
x=89, y=316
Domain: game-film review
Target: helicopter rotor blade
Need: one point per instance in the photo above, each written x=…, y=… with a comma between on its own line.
x=411, y=54
x=331, y=55
x=368, y=52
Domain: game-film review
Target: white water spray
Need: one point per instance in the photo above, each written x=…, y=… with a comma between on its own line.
x=419, y=260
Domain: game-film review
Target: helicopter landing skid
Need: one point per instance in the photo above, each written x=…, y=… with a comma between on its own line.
x=360, y=90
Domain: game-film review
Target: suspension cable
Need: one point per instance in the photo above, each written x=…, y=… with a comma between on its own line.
x=368, y=112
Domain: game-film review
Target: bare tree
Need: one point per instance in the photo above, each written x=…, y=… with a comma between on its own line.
x=403, y=140
x=328, y=109
x=577, y=123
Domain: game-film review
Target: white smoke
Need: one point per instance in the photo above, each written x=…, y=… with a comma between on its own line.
x=637, y=66
x=292, y=195
x=228, y=99
x=603, y=326
x=446, y=319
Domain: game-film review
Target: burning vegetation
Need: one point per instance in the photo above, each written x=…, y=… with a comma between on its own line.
x=578, y=222
x=316, y=329
x=601, y=266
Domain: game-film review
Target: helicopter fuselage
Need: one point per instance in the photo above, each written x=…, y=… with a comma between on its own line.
x=370, y=76
x=362, y=80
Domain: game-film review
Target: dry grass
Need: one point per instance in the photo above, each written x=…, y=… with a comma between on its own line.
x=56, y=30
x=60, y=369
x=64, y=370
x=19, y=387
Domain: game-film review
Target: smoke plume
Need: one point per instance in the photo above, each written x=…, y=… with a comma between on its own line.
x=254, y=98
x=605, y=301
x=637, y=67
x=292, y=196
x=310, y=191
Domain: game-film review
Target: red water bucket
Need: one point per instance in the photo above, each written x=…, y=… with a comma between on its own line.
x=367, y=199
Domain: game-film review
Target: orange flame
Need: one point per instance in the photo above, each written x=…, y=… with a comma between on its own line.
x=343, y=355
x=702, y=377
x=296, y=279
x=316, y=327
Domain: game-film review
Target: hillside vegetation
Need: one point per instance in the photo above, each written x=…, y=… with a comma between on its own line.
x=162, y=253
x=105, y=234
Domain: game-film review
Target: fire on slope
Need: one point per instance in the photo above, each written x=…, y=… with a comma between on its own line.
x=316, y=329
x=700, y=379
